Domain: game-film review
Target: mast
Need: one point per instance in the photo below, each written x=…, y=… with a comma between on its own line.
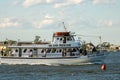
x=64, y=27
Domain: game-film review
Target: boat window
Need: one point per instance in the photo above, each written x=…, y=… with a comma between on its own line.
x=48, y=50
x=64, y=41
x=24, y=50
x=69, y=50
x=68, y=39
x=30, y=50
x=72, y=38
x=57, y=38
x=16, y=50
x=53, y=50
x=42, y=51
x=60, y=39
x=60, y=50
x=57, y=51
x=74, y=50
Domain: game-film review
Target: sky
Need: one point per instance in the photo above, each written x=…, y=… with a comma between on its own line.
x=24, y=19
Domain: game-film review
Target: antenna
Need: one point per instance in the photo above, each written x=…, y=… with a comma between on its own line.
x=64, y=27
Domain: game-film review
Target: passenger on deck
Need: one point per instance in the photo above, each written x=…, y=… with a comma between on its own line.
x=81, y=50
x=70, y=52
x=30, y=53
x=64, y=53
x=2, y=52
x=44, y=53
x=94, y=50
x=85, y=52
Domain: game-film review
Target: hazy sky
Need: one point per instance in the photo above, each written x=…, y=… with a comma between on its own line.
x=24, y=19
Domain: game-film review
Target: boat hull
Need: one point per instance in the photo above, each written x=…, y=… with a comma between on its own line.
x=53, y=61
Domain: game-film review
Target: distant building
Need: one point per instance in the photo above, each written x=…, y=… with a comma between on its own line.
x=89, y=46
x=2, y=47
x=115, y=47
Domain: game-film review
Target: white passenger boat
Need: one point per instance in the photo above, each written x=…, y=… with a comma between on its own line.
x=63, y=50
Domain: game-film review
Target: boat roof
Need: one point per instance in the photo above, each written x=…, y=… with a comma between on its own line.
x=61, y=34
x=43, y=46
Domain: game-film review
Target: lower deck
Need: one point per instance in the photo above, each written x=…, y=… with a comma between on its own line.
x=43, y=53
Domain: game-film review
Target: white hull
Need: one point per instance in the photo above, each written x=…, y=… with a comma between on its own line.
x=52, y=61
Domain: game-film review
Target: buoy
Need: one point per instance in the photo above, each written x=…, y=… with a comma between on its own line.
x=103, y=67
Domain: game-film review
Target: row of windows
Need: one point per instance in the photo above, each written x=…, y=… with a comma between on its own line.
x=25, y=50
x=59, y=50
x=52, y=50
x=65, y=38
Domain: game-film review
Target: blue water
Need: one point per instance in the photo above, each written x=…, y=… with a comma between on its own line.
x=81, y=72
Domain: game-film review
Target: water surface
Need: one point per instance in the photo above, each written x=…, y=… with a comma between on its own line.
x=81, y=72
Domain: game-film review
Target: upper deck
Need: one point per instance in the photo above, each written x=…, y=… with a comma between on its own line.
x=60, y=40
